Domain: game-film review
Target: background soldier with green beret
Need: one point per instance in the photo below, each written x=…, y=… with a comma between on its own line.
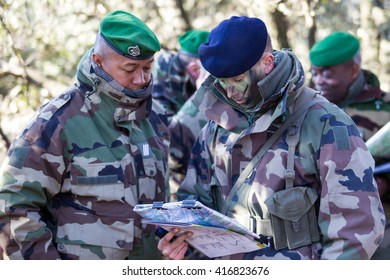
x=176, y=73
x=71, y=179
x=184, y=128
x=303, y=184
x=337, y=74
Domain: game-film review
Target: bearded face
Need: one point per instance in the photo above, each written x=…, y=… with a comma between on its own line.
x=243, y=89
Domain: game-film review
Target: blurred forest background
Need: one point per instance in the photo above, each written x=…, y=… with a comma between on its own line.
x=42, y=41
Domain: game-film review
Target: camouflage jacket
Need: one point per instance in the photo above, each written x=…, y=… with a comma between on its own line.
x=369, y=107
x=331, y=159
x=172, y=86
x=184, y=128
x=72, y=178
x=383, y=251
x=367, y=104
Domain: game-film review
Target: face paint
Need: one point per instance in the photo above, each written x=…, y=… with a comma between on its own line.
x=239, y=83
x=236, y=87
x=243, y=89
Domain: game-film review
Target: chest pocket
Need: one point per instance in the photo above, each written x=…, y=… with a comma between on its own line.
x=104, y=181
x=94, y=215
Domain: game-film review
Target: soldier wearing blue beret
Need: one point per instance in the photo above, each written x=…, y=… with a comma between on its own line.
x=70, y=181
x=277, y=156
x=337, y=74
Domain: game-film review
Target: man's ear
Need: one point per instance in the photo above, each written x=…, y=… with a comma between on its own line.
x=97, y=59
x=355, y=69
x=193, y=69
x=268, y=61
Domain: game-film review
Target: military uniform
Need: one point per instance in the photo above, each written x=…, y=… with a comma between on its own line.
x=72, y=178
x=369, y=108
x=172, y=86
x=383, y=251
x=367, y=104
x=331, y=159
x=364, y=102
x=184, y=128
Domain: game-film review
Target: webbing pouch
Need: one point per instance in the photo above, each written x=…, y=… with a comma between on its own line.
x=293, y=217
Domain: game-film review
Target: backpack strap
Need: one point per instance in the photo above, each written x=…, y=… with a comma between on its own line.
x=293, y=134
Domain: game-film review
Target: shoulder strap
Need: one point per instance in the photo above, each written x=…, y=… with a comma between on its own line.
x=251, y=165
x=292, y=140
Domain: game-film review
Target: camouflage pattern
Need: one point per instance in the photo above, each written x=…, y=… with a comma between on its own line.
x=331, y=158
x=367, y=104
x=172, y=86
x=383, y=251
x=369, y=107
x=70, y=181
x=184, y=128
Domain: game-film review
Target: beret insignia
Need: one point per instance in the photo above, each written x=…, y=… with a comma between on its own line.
x=134, y=50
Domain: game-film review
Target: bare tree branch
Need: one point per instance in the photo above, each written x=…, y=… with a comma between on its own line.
x=184, y=14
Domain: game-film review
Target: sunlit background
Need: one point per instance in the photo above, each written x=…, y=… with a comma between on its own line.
x=42, y=41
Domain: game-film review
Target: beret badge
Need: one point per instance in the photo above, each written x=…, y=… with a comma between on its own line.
x=134, y=50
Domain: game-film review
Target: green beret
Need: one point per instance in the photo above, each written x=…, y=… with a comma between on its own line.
x=191, y=40
x=334, y=49
x=128, y=35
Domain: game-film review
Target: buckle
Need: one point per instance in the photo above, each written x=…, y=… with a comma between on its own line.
x=289, y=174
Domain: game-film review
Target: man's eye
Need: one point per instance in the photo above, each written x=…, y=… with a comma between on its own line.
x=223, y=83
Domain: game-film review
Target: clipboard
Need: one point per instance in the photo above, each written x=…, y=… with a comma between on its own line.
x=214, y=234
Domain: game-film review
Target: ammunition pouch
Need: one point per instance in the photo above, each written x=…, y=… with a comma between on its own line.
x=293, y=217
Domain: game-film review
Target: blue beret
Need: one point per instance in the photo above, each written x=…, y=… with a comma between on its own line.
x=234, y=46
x=334, y=49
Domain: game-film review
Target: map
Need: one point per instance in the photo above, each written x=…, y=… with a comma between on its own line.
x=215, y=234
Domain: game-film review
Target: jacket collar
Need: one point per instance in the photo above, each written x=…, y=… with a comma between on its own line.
x=130, y=105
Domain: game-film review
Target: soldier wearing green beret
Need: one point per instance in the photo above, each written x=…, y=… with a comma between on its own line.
x=337, y=74
x=184, y=127
x=178, y=75
x=71, y=179
x=177, y=72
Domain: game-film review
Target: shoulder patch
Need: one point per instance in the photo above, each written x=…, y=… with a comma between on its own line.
x=341, y=138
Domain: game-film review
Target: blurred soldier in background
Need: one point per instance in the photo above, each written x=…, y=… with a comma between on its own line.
x=176, y=73
x=184, y=128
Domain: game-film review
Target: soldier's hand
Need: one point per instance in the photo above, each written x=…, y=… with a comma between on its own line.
x=174, y=248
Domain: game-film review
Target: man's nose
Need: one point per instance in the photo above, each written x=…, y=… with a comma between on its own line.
x=230, y=91
x=139, y=78
x=318, y=79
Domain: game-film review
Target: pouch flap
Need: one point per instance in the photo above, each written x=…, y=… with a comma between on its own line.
x=291, y=204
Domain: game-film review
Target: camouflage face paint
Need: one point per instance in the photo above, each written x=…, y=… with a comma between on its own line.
x=236, y=87
x=239, y=83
